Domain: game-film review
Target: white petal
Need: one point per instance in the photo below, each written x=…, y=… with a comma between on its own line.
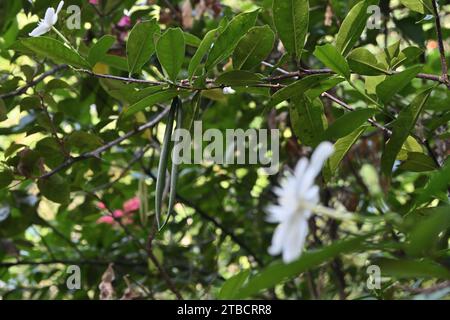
x=40, y=30
x=320, y=155
x=278, y=239
x=295, y=241
x=49, y=16
x=300, y=168
x=60, y=5
x=318, y=158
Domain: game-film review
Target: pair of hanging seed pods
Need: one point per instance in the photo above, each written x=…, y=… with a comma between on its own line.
x=175, y=114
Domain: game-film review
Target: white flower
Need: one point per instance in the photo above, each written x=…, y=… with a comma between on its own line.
x=50, y=19
x=228, y=90
x=297, y=196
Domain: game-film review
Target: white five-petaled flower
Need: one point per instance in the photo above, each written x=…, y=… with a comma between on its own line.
x=297, y=196
x=46, y=24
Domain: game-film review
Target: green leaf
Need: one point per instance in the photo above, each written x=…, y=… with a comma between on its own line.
x=421, y=6
x=348, y=123
x=353, y=26
x=191, y=40
x=140, y=45
x=439, y=182
x=171, y=50
x=407, y=269
x=55, y=189
x=401, y=129
x=149, y=101
x=100, y=49
x=308, y=120
x=229, y=38
x=364, y=62
x=232, y=286
x=331, y=58
x=239, y=78
x=3, y=111
x=54, y=50
x=395, y=83
x=425, y=235
x=254, y=47
x=297, y=88
x=278, y=271
x=202, y=50
x=418, y=162
x=291, y=18
x=341, y=147
x=6, y=177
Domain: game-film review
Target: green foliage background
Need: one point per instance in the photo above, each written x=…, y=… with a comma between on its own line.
x=381, y=95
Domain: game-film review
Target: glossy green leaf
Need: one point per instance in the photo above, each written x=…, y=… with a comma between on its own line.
x=171, y=50
x=421, y=6
x=401, y=130
x=149, y=101
x=332, y=58
x=363, y=62
x=308, y=120
x=297, y=88
x=226, y=42
x=353, y=26
x=291, y=18
x=140, y=45
x=341, y=148
x=395, y=83
x=202, y=50
x=253, y=48
x=54, y=50
x=348, y=123
x=239, y=78
x=100, y=49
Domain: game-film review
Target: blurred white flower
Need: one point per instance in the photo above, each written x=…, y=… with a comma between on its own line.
x=228, y=90
x=297, y=197
x=50, y=19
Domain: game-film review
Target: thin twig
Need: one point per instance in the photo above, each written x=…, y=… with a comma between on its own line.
x=444, y=66
x=97, y=152
x=24, y=89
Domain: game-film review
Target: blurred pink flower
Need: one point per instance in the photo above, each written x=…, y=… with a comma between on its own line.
x=132, y=205
x=95, y=2
x=125, y=21
x=101, y=205
x=106, y=219
x=118, y=213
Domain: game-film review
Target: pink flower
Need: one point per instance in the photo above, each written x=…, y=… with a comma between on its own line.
x=125, y=21
x=94, y=2
x=106, y=219
x=101, y=206
x=118, y=213
x=132, y=205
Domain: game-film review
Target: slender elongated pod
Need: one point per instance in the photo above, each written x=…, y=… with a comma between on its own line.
x=163, y=160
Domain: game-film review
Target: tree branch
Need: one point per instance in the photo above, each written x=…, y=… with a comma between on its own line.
x=97, y=152
x=24, y=89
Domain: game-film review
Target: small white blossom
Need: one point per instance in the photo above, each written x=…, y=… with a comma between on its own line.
x=297, y=196
x=228, y=90
x=46, y=24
